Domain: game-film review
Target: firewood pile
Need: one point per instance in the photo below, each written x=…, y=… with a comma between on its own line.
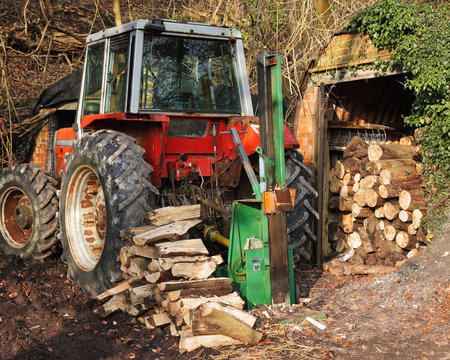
x=378, y=193
x=169, y=284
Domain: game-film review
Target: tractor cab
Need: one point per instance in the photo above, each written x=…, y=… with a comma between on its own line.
x=161, y=66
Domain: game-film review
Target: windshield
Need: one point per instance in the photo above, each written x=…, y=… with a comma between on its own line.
x=188, y=74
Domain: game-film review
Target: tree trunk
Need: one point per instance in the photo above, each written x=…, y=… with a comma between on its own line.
x=411, y=200
x=391, y=151
x=339, y=169
x=360, y=212
x=405, y=241
x=391, y=210
x=405, y=216
x=356, y=147
x=345, y=204
x=406, y=167
x=352, y=165
x=116, y=11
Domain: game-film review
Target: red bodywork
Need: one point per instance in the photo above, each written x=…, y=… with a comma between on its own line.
x=179, y=158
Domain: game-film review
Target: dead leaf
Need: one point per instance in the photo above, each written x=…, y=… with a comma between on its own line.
x=346, y=344
x=13, y=295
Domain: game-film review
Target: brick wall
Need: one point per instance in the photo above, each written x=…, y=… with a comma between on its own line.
x=39, y=156
x=349, y=50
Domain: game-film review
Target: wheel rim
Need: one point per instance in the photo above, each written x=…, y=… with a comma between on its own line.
x=85, y=217
x=17, y=222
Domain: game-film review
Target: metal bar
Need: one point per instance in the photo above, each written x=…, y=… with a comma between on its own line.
x=320, y=179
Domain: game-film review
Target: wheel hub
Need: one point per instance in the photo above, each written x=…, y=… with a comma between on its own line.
x=86, y=217
x=16, y=218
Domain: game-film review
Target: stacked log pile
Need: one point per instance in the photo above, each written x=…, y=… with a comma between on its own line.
x=378, y=193
x=169, y=284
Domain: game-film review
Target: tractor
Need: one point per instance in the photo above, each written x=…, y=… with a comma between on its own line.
x=151, y=128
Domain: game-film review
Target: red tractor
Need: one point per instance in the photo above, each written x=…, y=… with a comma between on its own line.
x=152, y=129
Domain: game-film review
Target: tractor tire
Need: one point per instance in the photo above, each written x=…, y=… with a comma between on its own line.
x=28, y=207
x=300, y=220
x=105, y=189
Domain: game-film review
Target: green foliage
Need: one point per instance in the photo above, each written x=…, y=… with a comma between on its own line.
x=419, y=35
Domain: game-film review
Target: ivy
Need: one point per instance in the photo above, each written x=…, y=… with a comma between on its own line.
x=419, y=36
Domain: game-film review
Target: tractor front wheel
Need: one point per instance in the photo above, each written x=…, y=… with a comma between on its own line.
x=105, y=189
x=28, y=207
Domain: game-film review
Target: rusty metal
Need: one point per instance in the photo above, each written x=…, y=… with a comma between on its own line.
x=16, y=218
x=215, y=207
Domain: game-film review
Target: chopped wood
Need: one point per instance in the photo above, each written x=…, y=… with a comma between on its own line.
x=339, y=170
x=195, y=284
x=139, y=293
x=372, y=198
x=138, y=267
x=198, y=270
x=357, y=178
x=391, y=210
x=360, y=197
x=367, y=241
x=354, y=240
x=189, y=342
x=169, y=214
x=154, y=266
x=400, y=225
x=361, y=212
x=405, y=241
x=335, y=184
x=347, y=179
x=181, y=248
x=407, y=167
x=389, y=232
x=405, y=216
x=352, y=165
x=171, y=231
x=355, y=187
x=208, y=320
x=368, y=182
x=391, y=151
x=411, y=230
x=115, y=290
x=407, y=140
x=411, y=200
x=205, y=292
x=232, y=299
x=363, y=270
x=346, y=191
x=345, y=203
x=412, y=253
x=386, y=248
x=167, y=263
x=379, y=212
x=398, y=176
x=333, y=203
x=111, y=306
x=157, y=320
x=346, y=222
x=417, y=216
x=356, y=147
x=158, y=276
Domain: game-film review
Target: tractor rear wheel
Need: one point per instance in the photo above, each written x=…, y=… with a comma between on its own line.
x=105, y=189
x=300, y=220
x=28, y=207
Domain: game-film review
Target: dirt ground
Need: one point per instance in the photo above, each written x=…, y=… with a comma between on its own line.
x=403, y=315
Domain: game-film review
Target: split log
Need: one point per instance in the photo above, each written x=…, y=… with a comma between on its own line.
x=181, y=248
x=158, y=276
x=154, y=266
x=405, y=241
x=346, y=191
x=167, y=263
x=335, y=184
x=356, y=147
x=355, y=187
x=361, y=212
x=345, y=203
x=339, y=169
x=360, y=197
x=195, y=284
x=411, y=200
x=122, y=287
x=417, y=216
x=394, y=259
x=372, y=198
x=171, y=231
x=379, y=212
x=368, y=182
x=169, y=214
x=198, y=270
x=138, y=267
x=200, y=292
x=112, y=305
x=420, y=235
x=406, y=167
x=139, y=293
x=232, y=299
x=398, y=177
x=391, y=210
x=362, y=270
x=354, y=240
x=405, y=216
x=391, y=151
x=412, y=253
x=189, y=342
x=210, y=321
x=156, y=320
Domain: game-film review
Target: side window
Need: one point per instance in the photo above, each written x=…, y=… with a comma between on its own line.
x=93, y=78
x=117, y=77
